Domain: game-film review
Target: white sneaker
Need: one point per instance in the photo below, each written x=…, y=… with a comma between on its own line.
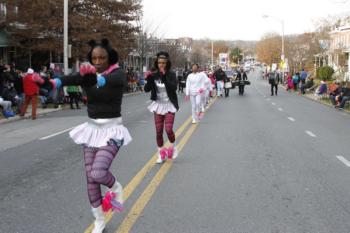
x=99, y=220
x=175, y=153
x=194, y=121
x=118, y=189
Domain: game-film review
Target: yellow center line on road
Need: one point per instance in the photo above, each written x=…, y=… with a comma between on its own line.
x=134, y=183
x=146, y=196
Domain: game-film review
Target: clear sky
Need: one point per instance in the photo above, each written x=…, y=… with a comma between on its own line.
x=231, y=19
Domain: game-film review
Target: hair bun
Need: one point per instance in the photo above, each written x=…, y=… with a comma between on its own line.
x=105, y=42
x=92, y=43
x=163, y=54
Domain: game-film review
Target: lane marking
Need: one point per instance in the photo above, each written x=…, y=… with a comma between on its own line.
x=55, y=134
x=291, y=119
x=311, y=134
x=147, y=194
x=268, y=99
x=274, y=104
x=280, y=109
x=344, y=160
x=139, y=177
x=148, y=101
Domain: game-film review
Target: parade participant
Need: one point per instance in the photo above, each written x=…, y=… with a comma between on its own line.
x=195, y=86
x=220, y=76
x=103, y=135
x=274, y=79
x=207, y=92
x=241, y=77
x=162, y=84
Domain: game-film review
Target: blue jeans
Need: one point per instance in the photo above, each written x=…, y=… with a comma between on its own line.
x=343, y=101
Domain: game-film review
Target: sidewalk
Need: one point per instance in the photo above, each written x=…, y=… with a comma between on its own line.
x=323, y=101
x=40, y=111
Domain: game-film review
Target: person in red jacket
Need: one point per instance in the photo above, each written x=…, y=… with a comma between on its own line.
x=31, y=90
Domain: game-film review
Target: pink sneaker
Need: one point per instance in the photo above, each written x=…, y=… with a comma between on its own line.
x=163, y=153
x=200, y=115
x=170, y=152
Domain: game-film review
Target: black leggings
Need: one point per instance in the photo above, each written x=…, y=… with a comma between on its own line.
x=74, y=96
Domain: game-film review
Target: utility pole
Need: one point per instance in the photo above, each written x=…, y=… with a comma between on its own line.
x=212, y=54
x=65, y=37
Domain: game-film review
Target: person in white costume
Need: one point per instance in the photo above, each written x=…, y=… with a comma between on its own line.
x=195, y=86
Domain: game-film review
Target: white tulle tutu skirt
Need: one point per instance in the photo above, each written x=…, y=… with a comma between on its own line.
x=97, y=133
x=161, y=108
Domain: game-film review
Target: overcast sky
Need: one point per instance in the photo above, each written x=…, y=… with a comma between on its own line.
x=231, y=19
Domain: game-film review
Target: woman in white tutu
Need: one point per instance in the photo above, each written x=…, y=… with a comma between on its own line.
x=162, y=84
x=104, y=134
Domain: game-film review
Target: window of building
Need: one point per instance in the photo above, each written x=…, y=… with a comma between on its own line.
x=3, y=10
x=15, y=10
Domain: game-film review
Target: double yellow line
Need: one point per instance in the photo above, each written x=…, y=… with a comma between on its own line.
x=142, y=201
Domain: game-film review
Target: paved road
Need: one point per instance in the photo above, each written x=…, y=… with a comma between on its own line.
x=255, y=163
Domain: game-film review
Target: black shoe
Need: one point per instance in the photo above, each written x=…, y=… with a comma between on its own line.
x=71, y=107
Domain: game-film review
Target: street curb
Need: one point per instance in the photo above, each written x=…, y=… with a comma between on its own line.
x=17, y=118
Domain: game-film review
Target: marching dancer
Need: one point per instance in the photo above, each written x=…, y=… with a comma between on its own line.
x=162, y=84
x=103, y=134
x=195, y=86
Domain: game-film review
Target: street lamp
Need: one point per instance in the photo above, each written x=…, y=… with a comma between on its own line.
x=282, y=23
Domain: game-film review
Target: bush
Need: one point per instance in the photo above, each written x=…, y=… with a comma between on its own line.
x=324, y=72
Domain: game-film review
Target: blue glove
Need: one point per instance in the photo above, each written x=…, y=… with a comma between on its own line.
x=101, y=81
x=58, y=83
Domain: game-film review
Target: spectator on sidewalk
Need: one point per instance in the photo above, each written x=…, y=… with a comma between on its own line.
x=290, y=84
x=296, y=80
x=73, y=92
x=345, y=96
x=31, y=91
x=322, y=89
x=10, y=94
x=18, y=85
x=303, y=77
x=142, y=82
x=6, y=108
x=46, y=89
x=334, y=92
x=309, y=85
